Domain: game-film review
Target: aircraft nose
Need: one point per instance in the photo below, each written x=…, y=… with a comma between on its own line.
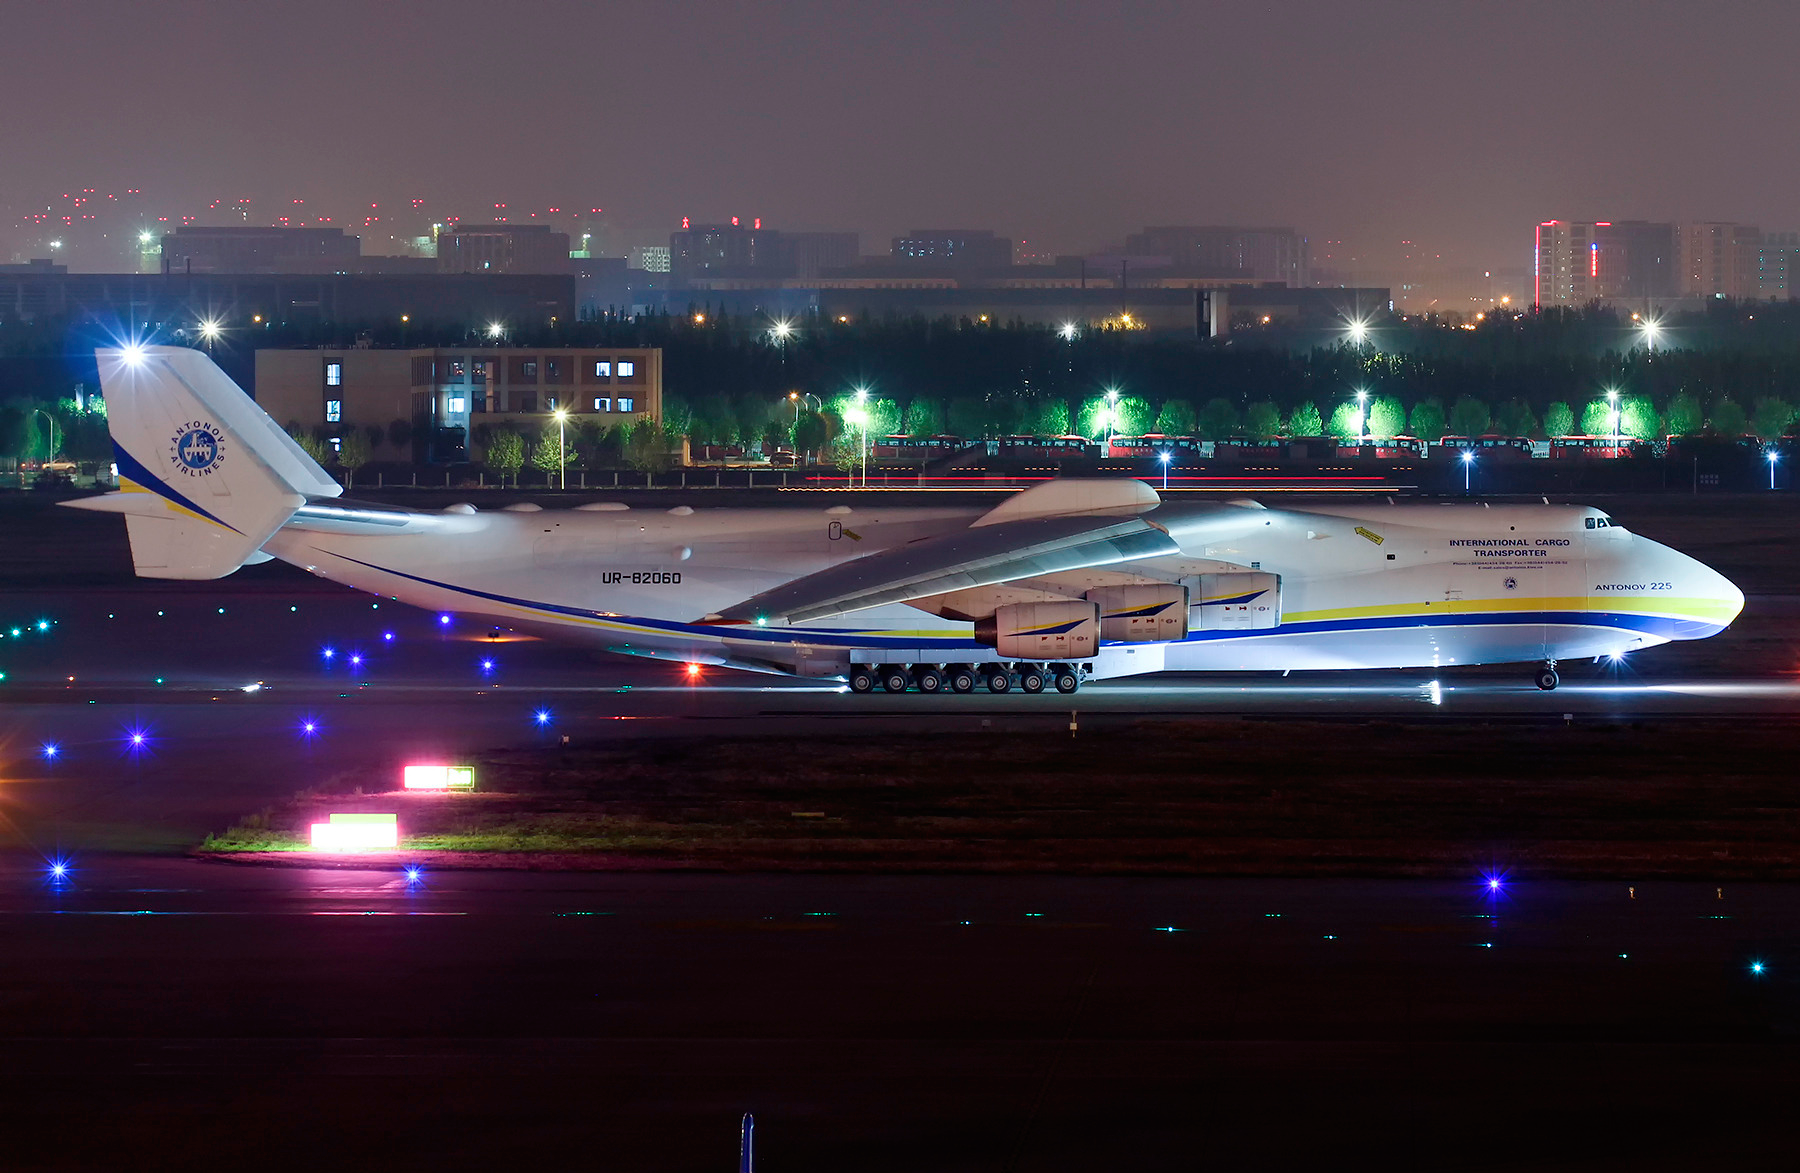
x=1730, y=598
x=1717, y=597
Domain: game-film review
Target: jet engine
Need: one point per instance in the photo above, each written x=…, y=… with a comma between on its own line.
x=1042, y=631
x=1148, y=613
x=1240, y=601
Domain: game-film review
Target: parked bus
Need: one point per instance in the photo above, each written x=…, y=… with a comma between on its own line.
x=1152, y=445
x=915, y=448
x=1489, y=446
x=1595, y=447
x=1044, y=447
x=1385, y=448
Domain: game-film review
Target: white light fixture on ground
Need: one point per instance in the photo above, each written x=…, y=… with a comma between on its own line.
x=357, y=832
x=433, y=777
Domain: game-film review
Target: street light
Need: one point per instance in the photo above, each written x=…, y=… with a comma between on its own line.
x=1612, y=413
x=1651, y=330
x=495, y=329
x=1164, y=457
x=562, y=450
x=1468, y=459
x=1359, y=330
x=1773, y=457
x=1112, y=416
x=1362, y=417
x=862, y=421
x=1067, y=331
x=51, y=423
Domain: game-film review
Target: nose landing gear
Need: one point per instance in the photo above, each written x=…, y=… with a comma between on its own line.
x=1546, y=677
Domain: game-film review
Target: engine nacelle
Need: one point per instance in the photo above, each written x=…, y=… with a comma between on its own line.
x=1241, y=601
x=1042, y=631
x=1149, y=613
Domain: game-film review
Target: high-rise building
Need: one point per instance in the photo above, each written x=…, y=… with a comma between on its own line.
x=954, y=248
x=502, y=248
x=727, y=250
x=1263, y=254
x=1579, y=261
x=651, y=258
x=1778, y=266
x=1717, y=259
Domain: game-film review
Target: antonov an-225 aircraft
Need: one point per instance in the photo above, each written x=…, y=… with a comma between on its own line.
x=1068, y=581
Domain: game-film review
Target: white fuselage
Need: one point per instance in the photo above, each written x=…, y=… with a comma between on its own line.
x=1361, y=586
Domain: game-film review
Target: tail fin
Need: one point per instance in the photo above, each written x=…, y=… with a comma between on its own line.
x=206, y=476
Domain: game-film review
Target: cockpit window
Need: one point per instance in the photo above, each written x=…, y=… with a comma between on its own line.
x=1601, y=522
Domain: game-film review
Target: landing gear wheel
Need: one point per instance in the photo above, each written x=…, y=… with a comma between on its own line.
x=862, y=680
x=962, y=679
x=929, y=680
x=1067, y=681
x=1547, y=679
x=895, y=680
x=997, y=680
x=1032, y=680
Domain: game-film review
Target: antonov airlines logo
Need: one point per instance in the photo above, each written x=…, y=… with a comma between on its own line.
x=196, y=448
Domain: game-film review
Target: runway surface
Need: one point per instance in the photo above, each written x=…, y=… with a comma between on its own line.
x=150, y=716
x=157, y=1012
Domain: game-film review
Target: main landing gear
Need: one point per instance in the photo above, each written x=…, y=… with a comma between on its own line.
x=1546, y=677
x=965, y=678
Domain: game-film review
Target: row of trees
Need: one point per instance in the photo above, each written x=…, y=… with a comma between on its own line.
x=43, y=429
x=503, y=448
x=844, y=418
x=731, y=378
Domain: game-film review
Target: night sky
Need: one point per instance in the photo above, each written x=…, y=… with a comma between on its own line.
x=1454, y=125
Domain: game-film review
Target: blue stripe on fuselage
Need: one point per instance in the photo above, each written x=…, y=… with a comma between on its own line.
x=1654, y=625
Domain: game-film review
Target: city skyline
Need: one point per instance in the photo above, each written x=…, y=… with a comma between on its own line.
x=1459, y=128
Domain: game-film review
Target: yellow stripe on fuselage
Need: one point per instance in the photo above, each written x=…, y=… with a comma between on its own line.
x=1706, y=610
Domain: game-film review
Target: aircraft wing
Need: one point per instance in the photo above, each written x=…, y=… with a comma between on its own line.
x=966, y=558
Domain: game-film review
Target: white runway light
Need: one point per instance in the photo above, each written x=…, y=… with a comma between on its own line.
x=357, y=832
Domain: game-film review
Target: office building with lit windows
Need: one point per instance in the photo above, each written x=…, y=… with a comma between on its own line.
x=1716, y=259
x=1580, y=261
x=1778, y=266
x=454, y=390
